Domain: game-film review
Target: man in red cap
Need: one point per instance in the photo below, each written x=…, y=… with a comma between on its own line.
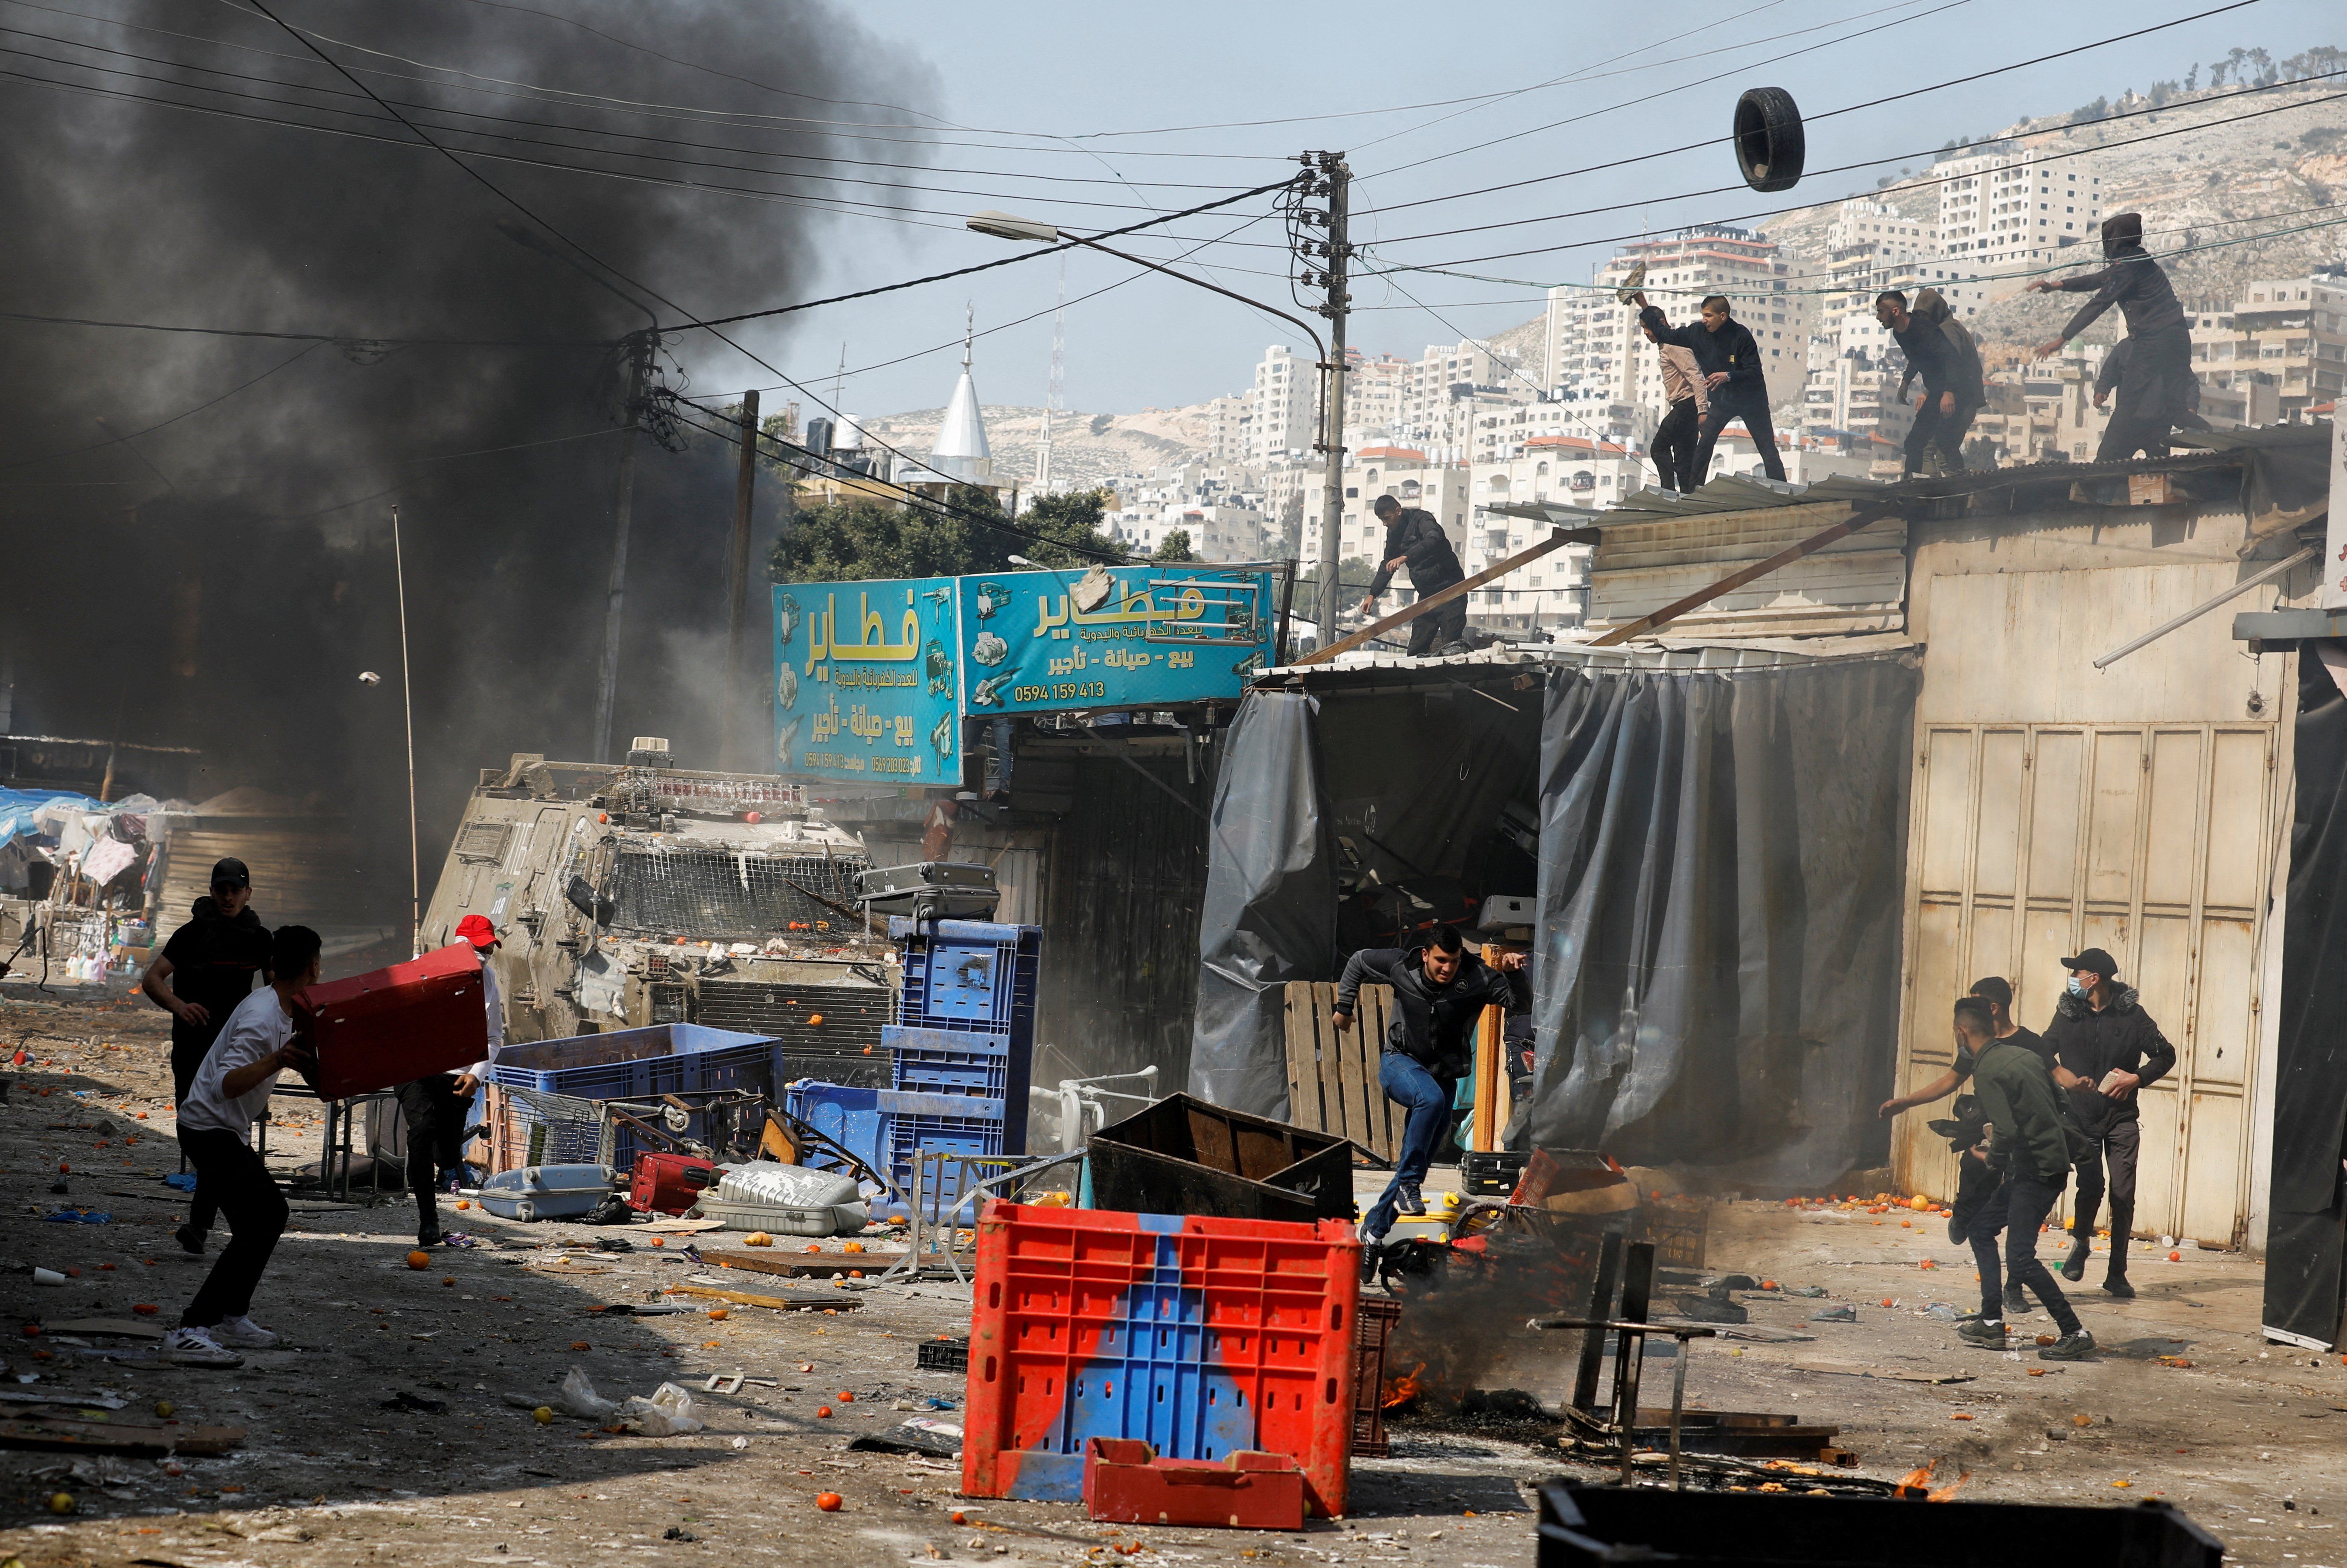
x=436, y=1107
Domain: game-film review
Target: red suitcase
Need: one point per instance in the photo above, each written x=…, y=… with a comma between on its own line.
x=393, y=1026
x=670, y=1183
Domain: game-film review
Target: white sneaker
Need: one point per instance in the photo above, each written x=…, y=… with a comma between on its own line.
x=243, y=1334
x=197, y=1348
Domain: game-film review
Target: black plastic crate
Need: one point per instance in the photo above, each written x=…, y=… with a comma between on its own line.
x=1491, y=1172
x=943, y=1356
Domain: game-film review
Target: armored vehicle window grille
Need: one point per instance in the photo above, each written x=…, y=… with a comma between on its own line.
x=831, y=1032
x=484, y=840
x=723, y=894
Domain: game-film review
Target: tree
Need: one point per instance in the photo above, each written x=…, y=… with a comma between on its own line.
x=1175, y=546
x=2192, y=80
x=865, y=540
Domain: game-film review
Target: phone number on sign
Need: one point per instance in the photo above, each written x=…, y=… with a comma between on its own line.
x=1062, y=692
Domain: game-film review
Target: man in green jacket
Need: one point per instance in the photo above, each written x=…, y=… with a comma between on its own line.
x=2026, y=1141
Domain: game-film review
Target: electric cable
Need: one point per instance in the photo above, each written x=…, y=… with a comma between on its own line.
x=183, y=413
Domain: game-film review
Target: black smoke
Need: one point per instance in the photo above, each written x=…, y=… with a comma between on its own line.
x=222, y=581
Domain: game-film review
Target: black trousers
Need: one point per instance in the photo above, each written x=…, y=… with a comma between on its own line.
x=2117, y=1147
x=1727, y=408
x=1945, y=431
x=1674, y=446
x=237, y=1181
x=1438, y=627
x=2152, y=397
x=185, y=1057
x=2027, y=1200
x=435, y=1131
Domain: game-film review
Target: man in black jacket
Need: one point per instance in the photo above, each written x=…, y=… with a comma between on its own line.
x=1938, y=350
x=2102, y=1035
x=2152, y=395
x=206, y=968
x=1440, y=993
x=1731, y=361
x=1414, y=539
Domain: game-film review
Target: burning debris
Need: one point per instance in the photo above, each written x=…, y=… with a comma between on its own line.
x=1916, y=1486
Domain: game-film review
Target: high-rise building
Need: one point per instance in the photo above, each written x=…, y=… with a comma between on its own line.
x=1286, y=400
x=2012, y=208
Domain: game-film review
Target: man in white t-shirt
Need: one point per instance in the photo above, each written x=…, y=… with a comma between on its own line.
x=231, y=1090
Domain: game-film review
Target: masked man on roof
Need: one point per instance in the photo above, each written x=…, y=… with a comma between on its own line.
x=2152, y=396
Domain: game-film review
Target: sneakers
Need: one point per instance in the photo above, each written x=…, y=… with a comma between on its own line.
x=1407, y=1201
x=2116, y=1284
x=242, y=1333
x=2078, y=1347
x=2073, y=1268
x=197, y=1348
x=2016, y=1301
x=190, y=1240
x=1988, y=1334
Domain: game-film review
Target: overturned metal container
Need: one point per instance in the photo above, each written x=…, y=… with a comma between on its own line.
x=1184, y=1156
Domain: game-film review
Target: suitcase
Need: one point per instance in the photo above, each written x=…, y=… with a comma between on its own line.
x=670, y=1183
x=395, y=1025
x=547, y=1192
x=930, y=889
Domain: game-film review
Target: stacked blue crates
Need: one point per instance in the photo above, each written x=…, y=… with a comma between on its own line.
x=959, y=1051
x=633, y=1064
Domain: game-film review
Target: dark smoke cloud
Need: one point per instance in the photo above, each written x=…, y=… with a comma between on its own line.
x=207, y=584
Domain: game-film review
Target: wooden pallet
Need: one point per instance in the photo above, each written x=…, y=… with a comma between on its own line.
x=1332, y=1077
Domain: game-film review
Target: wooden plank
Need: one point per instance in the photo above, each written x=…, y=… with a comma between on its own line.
x=1329, y=1046
x=1348, y=1065
x=1556, y=540
x=1303, y=1055
x=1483, y=1134
x=27, y=1430
x=811, y=1301
x=1384, y=1134
x=808, y=1265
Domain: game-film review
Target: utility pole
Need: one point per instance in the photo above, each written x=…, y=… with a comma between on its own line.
x=1334, y=185
x=640, y=355
x=737, y=584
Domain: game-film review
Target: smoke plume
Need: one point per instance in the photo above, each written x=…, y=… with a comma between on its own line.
x=196, y=528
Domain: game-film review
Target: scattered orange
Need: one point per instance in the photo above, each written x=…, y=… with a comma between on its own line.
x=419, y=1259
x=829, y=1502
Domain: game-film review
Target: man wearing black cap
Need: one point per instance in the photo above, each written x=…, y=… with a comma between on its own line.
x=206, y=968
x=2102, y=1035
x=2152, y=394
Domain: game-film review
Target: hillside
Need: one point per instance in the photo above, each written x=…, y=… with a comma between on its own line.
x=1086, y=448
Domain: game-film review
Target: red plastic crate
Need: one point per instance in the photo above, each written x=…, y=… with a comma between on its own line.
x=1204, y=1337
x=395, y=1025
x=1126, y=1483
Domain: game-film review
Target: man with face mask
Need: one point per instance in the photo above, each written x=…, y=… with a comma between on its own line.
x=2153, y=388
x=2101, y=1034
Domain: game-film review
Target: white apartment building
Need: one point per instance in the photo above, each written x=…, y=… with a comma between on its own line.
x=1286, y=399
x=1230, y=428
x=2015, y=208
x=1446, y=389
x=1374, y=389
x=1503, y=430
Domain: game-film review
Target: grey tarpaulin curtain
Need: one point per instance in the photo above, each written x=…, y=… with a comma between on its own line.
x=1270, y=910
x=1721, y=856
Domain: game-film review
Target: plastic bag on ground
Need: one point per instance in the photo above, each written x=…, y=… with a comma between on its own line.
x=666, y=1414
x=578, y=1396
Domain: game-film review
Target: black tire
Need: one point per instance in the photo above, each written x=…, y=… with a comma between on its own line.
x=1769, y=144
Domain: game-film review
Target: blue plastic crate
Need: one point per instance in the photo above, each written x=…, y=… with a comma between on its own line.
x=968, y=977
x=850, y=1114
x=638, y=1063
x=943, y=1062
x=911, y=1135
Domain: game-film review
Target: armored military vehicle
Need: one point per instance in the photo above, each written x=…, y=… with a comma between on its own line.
x=645, y=893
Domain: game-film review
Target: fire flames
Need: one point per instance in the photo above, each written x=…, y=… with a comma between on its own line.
x=1920, y=1480
x=1401, y=1391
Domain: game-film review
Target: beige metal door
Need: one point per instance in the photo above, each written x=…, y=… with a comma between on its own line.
x=2153, y=841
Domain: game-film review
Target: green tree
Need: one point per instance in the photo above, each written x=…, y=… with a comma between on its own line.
x=1175, y=546
x=863, y=540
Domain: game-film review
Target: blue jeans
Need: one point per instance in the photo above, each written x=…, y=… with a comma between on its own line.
x=1428, y=1096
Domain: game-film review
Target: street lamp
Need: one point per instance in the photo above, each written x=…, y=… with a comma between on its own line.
x=1008, y=226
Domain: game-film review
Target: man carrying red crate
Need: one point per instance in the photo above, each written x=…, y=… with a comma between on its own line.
x=1440, y=993
x=436, y=1107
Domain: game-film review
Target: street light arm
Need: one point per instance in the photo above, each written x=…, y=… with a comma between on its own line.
x=1320, y=348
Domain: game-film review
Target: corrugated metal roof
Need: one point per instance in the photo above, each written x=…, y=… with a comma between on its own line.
x=1573, y=650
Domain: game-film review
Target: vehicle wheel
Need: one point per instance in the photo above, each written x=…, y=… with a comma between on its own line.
x=1769, y=144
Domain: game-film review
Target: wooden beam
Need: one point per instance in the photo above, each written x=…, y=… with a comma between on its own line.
x=1736, y=580
x=1557, y=539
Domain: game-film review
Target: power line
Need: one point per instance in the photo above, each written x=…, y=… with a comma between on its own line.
x=1868, y=163
x=360, y=341
x=183, y=413
x=1829, y=114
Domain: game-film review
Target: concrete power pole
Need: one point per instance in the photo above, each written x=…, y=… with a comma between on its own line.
x=737, y=586
x=1332, y=433
x=639, y=356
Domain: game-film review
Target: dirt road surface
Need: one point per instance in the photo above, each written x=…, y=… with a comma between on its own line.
x=339, y=1465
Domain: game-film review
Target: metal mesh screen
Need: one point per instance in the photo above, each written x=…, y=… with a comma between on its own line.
x=721, y=894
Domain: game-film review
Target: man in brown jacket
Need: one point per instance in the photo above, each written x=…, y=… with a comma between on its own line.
x=1673, y=447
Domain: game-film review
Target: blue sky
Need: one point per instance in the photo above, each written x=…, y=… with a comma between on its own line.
x=1071, y=85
